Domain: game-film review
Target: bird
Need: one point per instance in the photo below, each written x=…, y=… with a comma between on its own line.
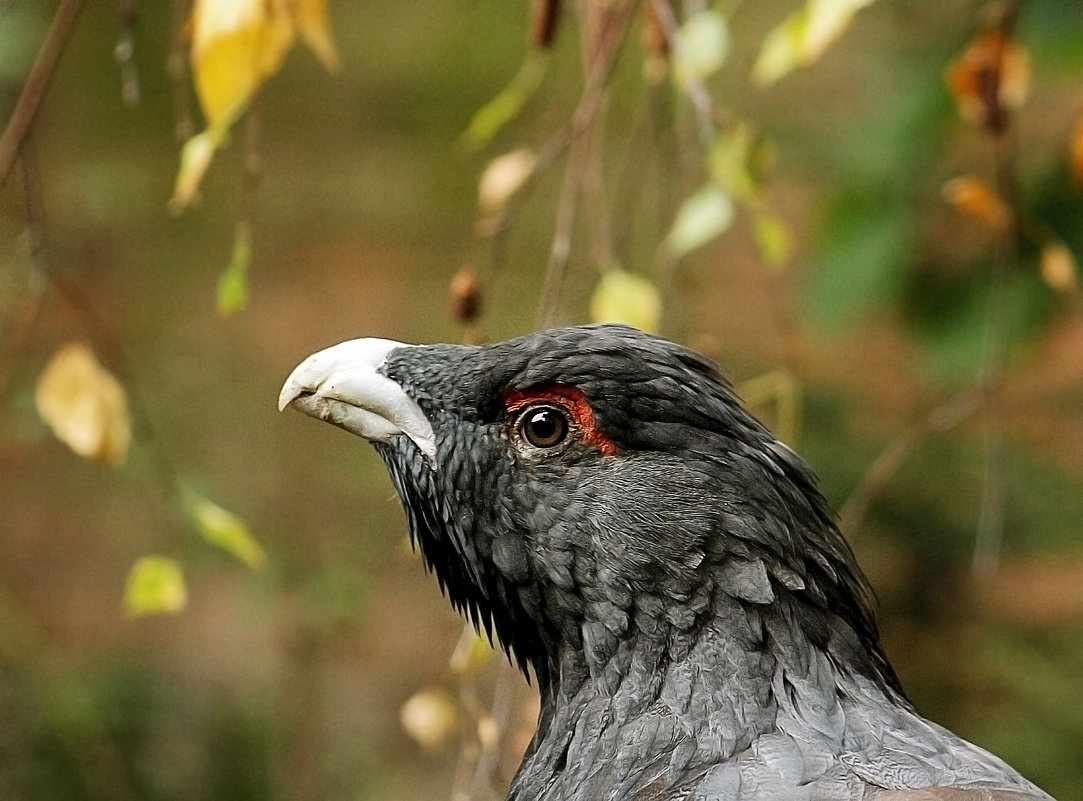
x=599, y=500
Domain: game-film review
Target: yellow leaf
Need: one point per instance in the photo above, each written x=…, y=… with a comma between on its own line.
x=311, y=20
x=973, y=197
x=155, y=586
x=430, y=717
x=803, y=37
x=236, y=45
x=622, y=297
x=503, y=177
x=84, y=405
x=471, y=653
x=1058, y=267
x=224, y=529
x=196, y=157
x=489, y=731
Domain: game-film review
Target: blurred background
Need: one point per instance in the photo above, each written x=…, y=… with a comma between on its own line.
x=895, y=292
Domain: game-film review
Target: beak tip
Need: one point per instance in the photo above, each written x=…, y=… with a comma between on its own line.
x=291, y=391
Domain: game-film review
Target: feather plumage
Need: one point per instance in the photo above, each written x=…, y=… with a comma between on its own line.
x=666, y=568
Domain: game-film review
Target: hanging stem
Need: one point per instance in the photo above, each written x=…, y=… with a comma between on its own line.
x=603, y=27
x=991, y=517
x=26, y=108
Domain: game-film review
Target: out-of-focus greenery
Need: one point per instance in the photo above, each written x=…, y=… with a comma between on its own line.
x=286, y=682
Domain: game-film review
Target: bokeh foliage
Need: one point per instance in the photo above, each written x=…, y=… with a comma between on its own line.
x=820, y=259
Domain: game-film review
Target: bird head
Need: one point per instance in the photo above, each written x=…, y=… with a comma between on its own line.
x=577, y=487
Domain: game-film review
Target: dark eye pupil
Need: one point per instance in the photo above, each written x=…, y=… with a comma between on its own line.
x=544, y=427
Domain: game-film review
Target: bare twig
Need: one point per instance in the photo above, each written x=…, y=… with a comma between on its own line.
x=895, y=453
x=708, y=114
x=494, y=230
x=990, y=531
x=986, y=396
x=124, y=54
x=26, y=108
x=28, y=314
x=177, y=67
x=491, y=750
x=603, y=32
x=46, y=282
x=483, y=731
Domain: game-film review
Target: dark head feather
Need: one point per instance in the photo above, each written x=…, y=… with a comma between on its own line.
x=698, y=492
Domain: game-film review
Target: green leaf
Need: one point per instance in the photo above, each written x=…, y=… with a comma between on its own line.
x=703, y=42
x=621, y=297
x=702, y=217
x=738, y=159
x=224, y=529
x=155, y=586
x=196, y=156
x=232, y=294
x=491, y=118
x=773, y=239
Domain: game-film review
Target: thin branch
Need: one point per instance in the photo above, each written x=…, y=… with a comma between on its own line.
x=986, y=395
x=603, y=31
x=499, y=715
x=177, y=68
x=708, y=114
x=895, y=453
x=26, y=317
x=993, y=508
x=992, y=513
x=124, y=54
x=26, y=108
x=494, y=229
x=46, y=282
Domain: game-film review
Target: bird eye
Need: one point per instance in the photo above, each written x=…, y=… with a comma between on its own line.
x=543, y=426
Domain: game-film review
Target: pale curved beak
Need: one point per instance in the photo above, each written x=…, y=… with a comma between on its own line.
x=341, y=386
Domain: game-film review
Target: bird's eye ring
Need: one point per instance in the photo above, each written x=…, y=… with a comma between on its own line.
x=543, y=425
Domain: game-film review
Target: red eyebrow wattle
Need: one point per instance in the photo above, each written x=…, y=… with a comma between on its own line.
x=572, y=400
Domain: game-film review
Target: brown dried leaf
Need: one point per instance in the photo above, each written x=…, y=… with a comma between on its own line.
x=544, y=22
x=1075, y=149
x=990, y=78
x=970, y=195
x=84, y=405
x=464, y=296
